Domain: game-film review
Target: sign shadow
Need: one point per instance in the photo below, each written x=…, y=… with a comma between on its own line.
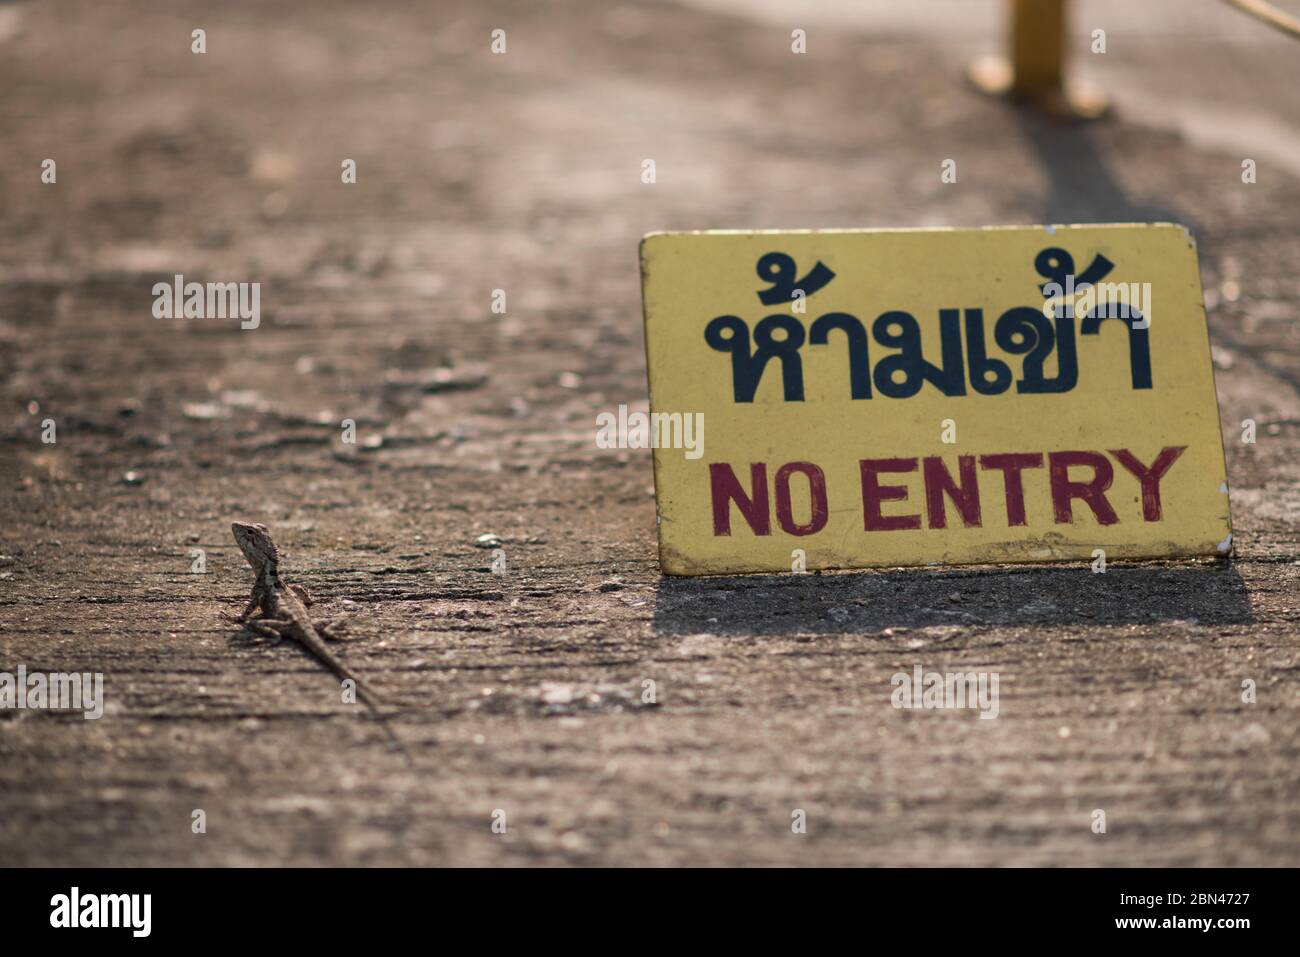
x=840, y=603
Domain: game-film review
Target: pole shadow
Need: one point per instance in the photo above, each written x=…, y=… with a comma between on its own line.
x=1081, y=188
x=868, y=601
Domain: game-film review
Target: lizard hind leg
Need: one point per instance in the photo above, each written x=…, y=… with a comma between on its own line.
x=303, y=594
x=334, y=629
x=268, y=627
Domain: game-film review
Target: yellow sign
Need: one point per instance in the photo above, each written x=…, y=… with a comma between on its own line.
x=844, y=399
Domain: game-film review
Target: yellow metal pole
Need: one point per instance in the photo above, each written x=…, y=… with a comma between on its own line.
x=1035, y=70
x=1037, y=47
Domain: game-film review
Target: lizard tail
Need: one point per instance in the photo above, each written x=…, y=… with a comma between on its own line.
x=373, y=702
x=397, y=742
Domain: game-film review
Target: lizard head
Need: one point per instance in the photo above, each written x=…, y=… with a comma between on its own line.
x=255, y=542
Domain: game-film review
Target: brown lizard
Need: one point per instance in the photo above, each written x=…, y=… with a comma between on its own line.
x=284, y=613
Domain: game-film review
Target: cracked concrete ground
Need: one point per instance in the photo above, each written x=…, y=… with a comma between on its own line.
x=524, y=692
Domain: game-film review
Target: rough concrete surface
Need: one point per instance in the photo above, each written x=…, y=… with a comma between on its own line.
x=524, y=691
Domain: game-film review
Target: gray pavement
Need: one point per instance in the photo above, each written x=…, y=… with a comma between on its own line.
x=524, y=692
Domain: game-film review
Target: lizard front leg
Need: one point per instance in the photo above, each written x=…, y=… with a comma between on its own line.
x=259, y=592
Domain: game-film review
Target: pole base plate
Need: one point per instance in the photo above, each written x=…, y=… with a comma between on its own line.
x=994, y=75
